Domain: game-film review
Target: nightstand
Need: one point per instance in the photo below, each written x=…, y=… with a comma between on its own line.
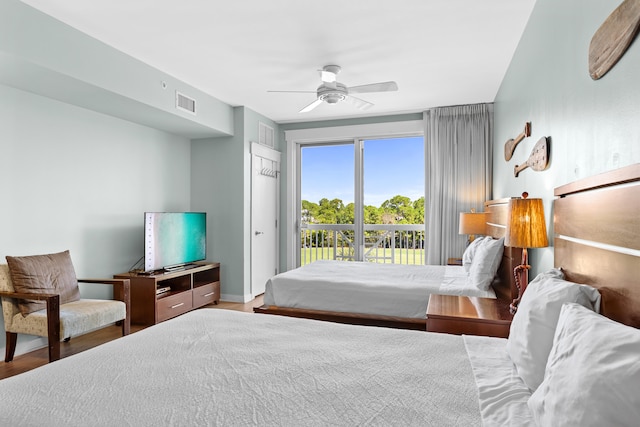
x=454, y=261
x=453, y=314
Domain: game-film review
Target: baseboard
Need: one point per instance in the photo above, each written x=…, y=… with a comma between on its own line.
x=236, y=298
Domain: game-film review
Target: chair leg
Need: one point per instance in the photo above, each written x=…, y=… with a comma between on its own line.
x=10, y=350
x=125, y=296
x=54, y=350
x=53, y=327
x=126, y=324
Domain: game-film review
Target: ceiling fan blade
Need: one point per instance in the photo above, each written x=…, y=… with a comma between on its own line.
x=292, y=91
x=311, y=106
x=361, y=104
x=374, y=87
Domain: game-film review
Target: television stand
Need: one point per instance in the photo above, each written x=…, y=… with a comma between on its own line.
x=193, y=286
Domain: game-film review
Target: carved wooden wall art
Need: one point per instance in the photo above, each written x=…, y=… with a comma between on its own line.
x=510, y=145
x=614, y=36
x=538, y=159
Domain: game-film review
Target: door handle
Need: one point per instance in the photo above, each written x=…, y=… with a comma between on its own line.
x=259, y=232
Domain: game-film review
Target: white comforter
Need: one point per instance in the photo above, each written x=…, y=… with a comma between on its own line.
x=369, y=288
x=218, y=367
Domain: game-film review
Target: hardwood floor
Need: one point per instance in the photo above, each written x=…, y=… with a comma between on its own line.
x=36, y=358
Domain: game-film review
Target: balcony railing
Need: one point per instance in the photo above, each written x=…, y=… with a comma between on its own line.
x=383, y=243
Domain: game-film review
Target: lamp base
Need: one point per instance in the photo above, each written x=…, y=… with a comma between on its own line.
x=521, y=275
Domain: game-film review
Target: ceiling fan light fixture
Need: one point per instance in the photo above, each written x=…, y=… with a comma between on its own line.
x=329, y=73
x=332, y=94
x=328, y=77
x=332, y=97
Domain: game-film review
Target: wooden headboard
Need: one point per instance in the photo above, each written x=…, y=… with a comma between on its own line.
x=497, y=211
x=597, y=238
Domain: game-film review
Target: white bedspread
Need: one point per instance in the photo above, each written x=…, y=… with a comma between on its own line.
x=219, y=367
x=369, y=288
x=502, y=393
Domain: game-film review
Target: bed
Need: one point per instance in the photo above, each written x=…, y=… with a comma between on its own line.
x=384, y=294
x=218, y=367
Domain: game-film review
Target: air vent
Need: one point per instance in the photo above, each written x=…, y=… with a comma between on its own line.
x=265, y=135
x=185, y=103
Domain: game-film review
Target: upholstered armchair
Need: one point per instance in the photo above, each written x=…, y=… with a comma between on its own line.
x=45, y=301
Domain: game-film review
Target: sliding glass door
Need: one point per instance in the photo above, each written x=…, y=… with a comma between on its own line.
x=393, y=200
x=327, y=222
x=362, y=200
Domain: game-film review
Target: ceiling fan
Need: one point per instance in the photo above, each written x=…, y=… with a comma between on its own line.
x=331, y=91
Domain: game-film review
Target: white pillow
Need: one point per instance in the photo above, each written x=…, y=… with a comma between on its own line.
x=593, y=373
x=485, y=263
x=469, y=253
x=533, y=325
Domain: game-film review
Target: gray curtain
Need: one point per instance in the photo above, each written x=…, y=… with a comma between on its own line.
x=459, y=164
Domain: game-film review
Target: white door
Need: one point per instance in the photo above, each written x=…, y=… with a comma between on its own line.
x=265, y=178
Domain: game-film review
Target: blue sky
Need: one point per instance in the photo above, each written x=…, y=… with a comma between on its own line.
x=391, y=167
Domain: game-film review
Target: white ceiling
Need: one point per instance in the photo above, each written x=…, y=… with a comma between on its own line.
x=440, y=52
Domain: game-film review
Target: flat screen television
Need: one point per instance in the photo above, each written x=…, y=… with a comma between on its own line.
x=174, y=239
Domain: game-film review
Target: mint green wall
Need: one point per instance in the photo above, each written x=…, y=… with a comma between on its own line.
x=80, y=180
x=221, y=186
x=349, y=122
x=217, y=181
x=594, y=125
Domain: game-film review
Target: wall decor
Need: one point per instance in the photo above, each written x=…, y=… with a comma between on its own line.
x=614, y=36
x=510, y=145
x=538, y=159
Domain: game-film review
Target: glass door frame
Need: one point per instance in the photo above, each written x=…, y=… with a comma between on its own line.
x=355, y=134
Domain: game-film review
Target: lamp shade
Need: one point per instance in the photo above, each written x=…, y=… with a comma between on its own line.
x=526, y=227
x=473, y=223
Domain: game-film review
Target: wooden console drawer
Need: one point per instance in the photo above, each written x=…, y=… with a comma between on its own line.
x=196, y=285
x=174, y=305
x=206, y=294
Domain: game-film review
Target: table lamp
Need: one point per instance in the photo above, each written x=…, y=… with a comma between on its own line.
x=472, y=223
x=526, y=228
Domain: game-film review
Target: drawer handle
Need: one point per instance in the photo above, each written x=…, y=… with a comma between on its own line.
x=177, y=305
x=209, y=294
